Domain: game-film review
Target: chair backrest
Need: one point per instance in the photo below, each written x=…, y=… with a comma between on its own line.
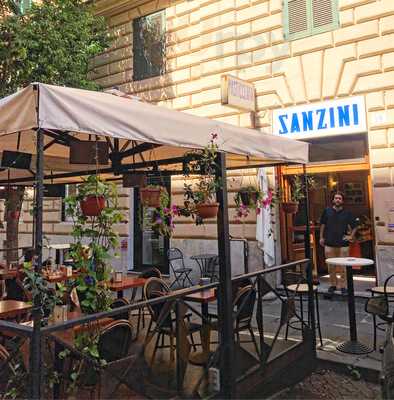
x=154, y=288
x=120, y=303
x=151, y=273
x=175, y=258
x=244, y=305
x=114, y=341
x=15, y=290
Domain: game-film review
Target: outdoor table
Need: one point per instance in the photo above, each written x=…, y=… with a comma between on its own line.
x=203, y=261
x=13, y=308
x=204, y=297
x=8, y=274
x=127, y=283
x=352, y=346
x=57, y=278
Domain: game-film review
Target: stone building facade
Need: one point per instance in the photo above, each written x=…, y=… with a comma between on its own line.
x=252, y=40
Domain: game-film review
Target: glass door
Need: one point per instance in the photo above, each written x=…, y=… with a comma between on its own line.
x=150, y=248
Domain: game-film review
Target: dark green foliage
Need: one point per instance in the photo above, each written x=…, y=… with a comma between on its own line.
x=51, y=42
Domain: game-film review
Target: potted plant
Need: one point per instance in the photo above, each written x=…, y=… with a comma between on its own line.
x=150, y=195
x=296, y=194
x=95, y=241
x=161, y=219
x=92, y=196
x=200, y=197
x=251, y=198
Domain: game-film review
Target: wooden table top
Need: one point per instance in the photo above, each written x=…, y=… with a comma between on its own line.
x=12, y=308
x=8, y=274
x=205, y=296
x=127, y=283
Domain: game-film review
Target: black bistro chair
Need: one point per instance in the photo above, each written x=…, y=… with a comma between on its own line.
x=125, y=362
x=142, y=313
x=379, y=306
x=177, y=265
x=117, y=303
x=296, y=285
x=163, y=318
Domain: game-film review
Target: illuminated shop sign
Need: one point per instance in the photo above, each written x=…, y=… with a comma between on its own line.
x=336, y=117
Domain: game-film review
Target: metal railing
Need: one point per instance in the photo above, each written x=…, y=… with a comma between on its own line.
x=178, y=305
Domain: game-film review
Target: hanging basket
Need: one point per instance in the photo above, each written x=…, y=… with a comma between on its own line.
x=207, y=210
x=150, y=197
x=248, y=198
x=92, y=206
x=290, y=207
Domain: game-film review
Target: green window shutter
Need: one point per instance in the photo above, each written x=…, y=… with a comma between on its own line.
x=149, y=46
x=324, y=15
x=303, y=18
x=296, y=18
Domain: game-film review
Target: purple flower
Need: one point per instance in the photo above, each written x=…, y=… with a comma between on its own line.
x=158, y=221
x=89, y=280
x=166, y=210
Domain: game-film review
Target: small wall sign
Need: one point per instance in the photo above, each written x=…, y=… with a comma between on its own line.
x=238, y=93
x=328, y=118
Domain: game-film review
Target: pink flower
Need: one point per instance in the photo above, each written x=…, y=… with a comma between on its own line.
x=258, y=210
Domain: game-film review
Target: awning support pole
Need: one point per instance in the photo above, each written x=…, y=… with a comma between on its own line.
x=35, y=342
x=225, y=307
x=311, y=299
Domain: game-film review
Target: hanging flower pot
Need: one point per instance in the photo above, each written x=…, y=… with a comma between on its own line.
x=290, y=207
x=248, y=197
x=207, y=210
x=92, y=206
x=150, y=196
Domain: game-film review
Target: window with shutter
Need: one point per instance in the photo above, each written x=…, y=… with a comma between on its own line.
x=303, y=18
x=149, y=46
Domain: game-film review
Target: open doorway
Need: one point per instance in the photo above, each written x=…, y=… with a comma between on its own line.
x=349, y=174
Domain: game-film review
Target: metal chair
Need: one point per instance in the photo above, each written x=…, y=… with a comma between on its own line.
x=177, y=265
x=244, y=300
x=161, y=315
x=296, y=285
x=116, y=348
x=379, y=306
x=121, y=303
x=148, y=273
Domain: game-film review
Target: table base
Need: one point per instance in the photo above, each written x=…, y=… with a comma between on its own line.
x=354, y=347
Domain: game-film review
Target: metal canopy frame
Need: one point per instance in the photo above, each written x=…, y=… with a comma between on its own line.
x=225, y=306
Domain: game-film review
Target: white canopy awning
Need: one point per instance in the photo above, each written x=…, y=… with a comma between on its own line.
x=89, y=115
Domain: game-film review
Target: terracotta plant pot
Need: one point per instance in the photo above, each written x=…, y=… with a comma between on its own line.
x=290, y=207
x=150, y=197
x=248, y=198
x=92, y=206
x=207, y=210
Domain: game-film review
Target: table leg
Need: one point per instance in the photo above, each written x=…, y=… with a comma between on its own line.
x=352, y=346
x=202, y=357
x=120, y=294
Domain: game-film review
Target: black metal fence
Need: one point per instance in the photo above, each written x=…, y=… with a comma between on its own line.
x=174, y=314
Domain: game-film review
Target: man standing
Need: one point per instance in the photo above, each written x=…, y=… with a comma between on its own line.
x=336, y=223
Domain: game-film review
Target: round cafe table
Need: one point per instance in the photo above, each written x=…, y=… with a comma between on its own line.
x=352, y=346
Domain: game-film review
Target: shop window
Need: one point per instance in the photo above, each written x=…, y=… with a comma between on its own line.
x=309, y=17
x=342, y=148
x=149, y=46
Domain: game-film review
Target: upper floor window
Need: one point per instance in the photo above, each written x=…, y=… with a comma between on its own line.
x=309, y=17
x=149, y=46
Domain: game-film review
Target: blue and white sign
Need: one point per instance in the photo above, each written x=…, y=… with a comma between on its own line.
x=328, y=118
